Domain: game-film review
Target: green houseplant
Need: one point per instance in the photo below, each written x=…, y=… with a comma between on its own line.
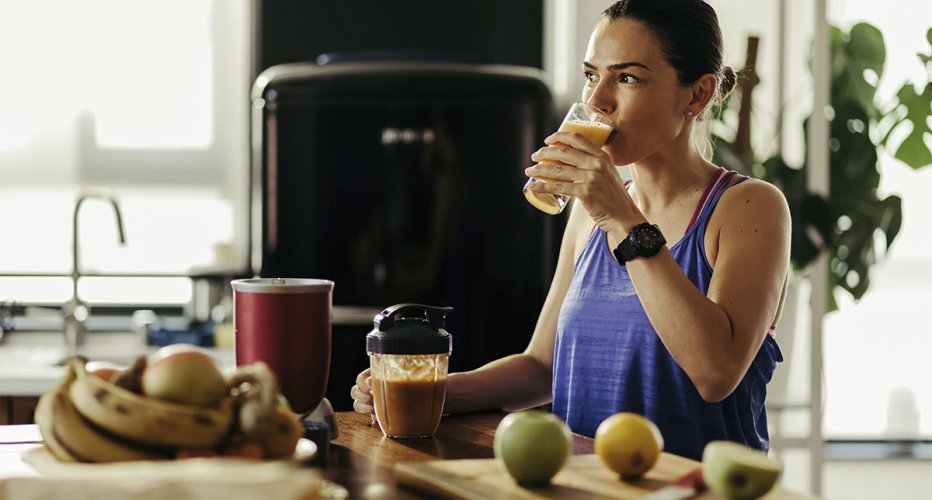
x=847, y=222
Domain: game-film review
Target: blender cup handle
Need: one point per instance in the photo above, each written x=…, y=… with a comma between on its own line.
x=433, y=314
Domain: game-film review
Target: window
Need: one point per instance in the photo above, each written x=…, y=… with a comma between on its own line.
x=877, y=378
x=147, y=99
x=877, y=375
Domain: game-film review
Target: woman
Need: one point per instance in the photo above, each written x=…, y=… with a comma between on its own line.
x=667, y=290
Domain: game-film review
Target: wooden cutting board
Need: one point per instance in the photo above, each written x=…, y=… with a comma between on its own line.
x=583, y=476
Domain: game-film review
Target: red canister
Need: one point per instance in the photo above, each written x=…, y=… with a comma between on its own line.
x=286, y=322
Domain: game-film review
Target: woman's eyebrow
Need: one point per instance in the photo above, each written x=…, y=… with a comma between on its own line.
x=619, y=66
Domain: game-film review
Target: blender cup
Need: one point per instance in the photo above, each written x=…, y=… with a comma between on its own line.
x=409, y=353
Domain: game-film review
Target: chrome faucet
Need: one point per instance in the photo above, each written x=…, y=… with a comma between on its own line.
x=75, y=311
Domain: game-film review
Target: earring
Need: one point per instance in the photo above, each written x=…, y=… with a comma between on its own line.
x=689, y=113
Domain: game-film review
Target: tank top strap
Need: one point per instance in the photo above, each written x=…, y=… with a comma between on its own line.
x=725, y=180
x=705, y=196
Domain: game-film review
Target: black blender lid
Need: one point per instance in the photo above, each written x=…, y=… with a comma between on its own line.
x=410, y=329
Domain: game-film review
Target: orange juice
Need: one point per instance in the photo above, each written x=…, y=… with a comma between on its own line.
x=595, y=132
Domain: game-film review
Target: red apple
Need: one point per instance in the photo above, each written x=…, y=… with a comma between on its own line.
x=184, y=374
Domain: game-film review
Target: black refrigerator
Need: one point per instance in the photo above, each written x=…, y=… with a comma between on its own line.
x=400, y=180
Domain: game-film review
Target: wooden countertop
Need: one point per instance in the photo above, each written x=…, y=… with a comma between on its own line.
x=363, y=460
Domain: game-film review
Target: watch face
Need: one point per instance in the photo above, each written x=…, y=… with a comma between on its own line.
x=644, y=240
x=648, y=237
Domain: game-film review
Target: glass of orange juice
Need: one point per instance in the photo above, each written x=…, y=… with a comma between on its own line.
x=591, y=123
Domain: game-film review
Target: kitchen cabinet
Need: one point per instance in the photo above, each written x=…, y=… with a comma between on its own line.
x=17, y=409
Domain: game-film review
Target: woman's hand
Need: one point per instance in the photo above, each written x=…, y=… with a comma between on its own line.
x=574, y=166
x=362, y=394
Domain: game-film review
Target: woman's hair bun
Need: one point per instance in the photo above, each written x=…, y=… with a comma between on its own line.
x=727, y=83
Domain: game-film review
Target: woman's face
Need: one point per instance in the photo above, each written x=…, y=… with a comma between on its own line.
x=628, y=76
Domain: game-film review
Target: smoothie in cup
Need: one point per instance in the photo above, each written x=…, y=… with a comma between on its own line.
x=583, y=119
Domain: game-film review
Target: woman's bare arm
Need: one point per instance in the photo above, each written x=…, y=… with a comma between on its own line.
x=714, y=337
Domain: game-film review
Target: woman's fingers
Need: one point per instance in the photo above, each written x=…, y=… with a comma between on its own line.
x=363, y=408
x=362, y=401
x=552, y=171
x=358, y=394
x=574, y=140
x=362, y=394
x=571, y=165
x=362, y=380
x=558, y=157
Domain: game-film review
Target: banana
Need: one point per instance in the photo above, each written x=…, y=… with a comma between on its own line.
x=256, y=395
x=148, y=420
x=73, y=439
x=45, y=418
x=282, y=435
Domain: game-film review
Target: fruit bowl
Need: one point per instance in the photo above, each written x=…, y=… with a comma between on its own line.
x=99, y=417
x=217, y=477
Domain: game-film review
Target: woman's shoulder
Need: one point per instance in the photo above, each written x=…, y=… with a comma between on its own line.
x=751, y=199
x=752, y=191
x=752, y=214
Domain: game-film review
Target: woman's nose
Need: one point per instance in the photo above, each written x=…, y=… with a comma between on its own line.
x=601, y=98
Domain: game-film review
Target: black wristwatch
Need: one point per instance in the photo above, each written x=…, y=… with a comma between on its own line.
x=644, y=240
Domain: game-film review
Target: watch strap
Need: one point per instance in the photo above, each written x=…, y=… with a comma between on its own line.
x=625, y=250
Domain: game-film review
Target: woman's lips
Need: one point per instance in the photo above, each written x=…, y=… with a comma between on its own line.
x=611, y=137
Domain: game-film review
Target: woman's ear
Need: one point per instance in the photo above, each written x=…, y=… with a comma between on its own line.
x=701, y=93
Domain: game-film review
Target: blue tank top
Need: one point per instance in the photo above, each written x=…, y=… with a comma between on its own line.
x=608, y=357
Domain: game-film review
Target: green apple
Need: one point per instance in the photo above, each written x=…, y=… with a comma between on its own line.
x=532, y=446
x=183, y=374
x=737, y=472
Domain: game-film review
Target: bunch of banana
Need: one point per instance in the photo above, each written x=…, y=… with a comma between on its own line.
x=72, y=438
x=264, y=416
x=147, y=420
x=89, y=419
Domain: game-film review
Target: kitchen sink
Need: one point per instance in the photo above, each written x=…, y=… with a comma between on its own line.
x=33, y=362
x=41, y=348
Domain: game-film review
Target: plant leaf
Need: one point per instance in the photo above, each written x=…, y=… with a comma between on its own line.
x=814, y=234
x=892, y=219
x=837, y=39
x=853, y=156
x=866, y=44
x=913, y=150
x=863, y=51
x=812, y=221
x=926, y=58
